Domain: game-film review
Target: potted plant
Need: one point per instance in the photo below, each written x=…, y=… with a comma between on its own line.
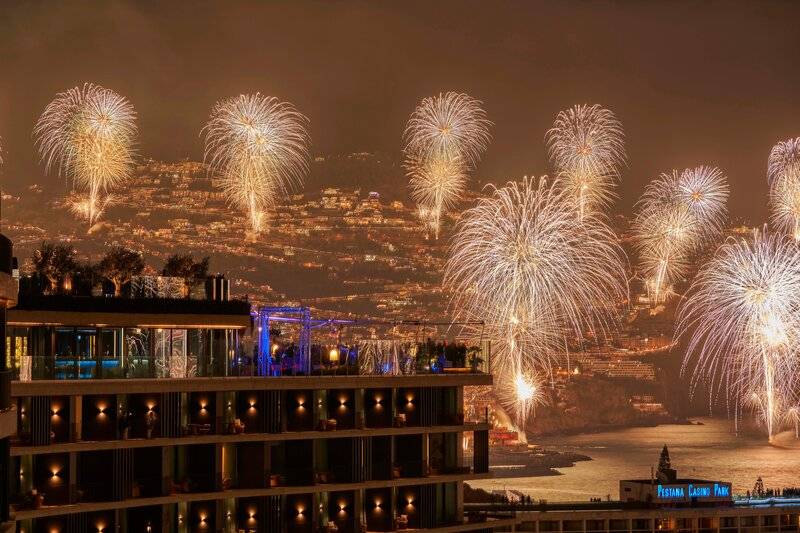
x=474, y=358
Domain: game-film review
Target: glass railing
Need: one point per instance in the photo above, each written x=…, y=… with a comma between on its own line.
x=71, y=367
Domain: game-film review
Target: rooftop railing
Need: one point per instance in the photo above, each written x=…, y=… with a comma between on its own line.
x=75, y=367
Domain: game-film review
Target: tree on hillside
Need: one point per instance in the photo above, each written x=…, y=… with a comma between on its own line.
x=664, y=463
x=119, y=265
x=55, y=263
x=184, y=266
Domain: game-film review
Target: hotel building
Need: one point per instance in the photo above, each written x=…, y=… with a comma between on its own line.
x=143, y=415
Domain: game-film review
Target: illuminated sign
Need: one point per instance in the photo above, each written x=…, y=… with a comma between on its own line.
x=670, y=493
x=692, y=491
x=722, y=491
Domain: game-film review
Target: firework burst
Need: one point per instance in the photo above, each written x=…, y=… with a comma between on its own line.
x=522, y=260
x=444, y=139
x=741, y=317
x=783, y=173
x=450, y=125
x=88, y=133
x=259, y=147
x=587, y=148
x=678, y=215
x=436, y=184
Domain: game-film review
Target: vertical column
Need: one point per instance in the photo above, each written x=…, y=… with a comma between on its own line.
x=220, y=404
x=98, y=353
x=168, y=517
x=358, y=509
x=393, y=506
x=360, y=413
x=73, y=477
x=219, y=458
x=272, y=409
x=76, y=418
x=426, y=454
x=284, y=411
x=167, y=469
x=267, y=465
x=264, y=346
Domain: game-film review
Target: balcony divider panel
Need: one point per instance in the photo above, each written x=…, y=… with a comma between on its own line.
x=273, y=507
x=40, y=420
x=123, y=473
x=171, y=414
x=361, y=460
x=427, y=506
x=430, y=406
x=271, y=409
x=77, y=522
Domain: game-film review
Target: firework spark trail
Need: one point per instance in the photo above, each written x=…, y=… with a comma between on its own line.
x=444, y=139
x=88, y=133
x=741, y=317
x=522, y=260
x=678, y=215
x=437, y=184
x=259, y=146
x=783, y=174
x=587, y=148
x=83, y=206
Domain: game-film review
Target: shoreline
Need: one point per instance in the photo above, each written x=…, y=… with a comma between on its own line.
x=540, y=461
x=531, y=462
x=644, y=422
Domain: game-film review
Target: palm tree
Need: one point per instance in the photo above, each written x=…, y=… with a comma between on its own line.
x=119, y=265
x=184, y=266
x=55, y=263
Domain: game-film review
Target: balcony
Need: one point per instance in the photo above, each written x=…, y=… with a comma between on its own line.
x=128, y=358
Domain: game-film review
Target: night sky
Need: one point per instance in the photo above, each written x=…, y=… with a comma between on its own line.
x=692, y=82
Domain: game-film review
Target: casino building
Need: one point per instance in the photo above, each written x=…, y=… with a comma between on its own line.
x=662, y=504
x=144, y=415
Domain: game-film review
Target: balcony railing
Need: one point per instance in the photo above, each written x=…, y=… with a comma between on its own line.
x=70, y=367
